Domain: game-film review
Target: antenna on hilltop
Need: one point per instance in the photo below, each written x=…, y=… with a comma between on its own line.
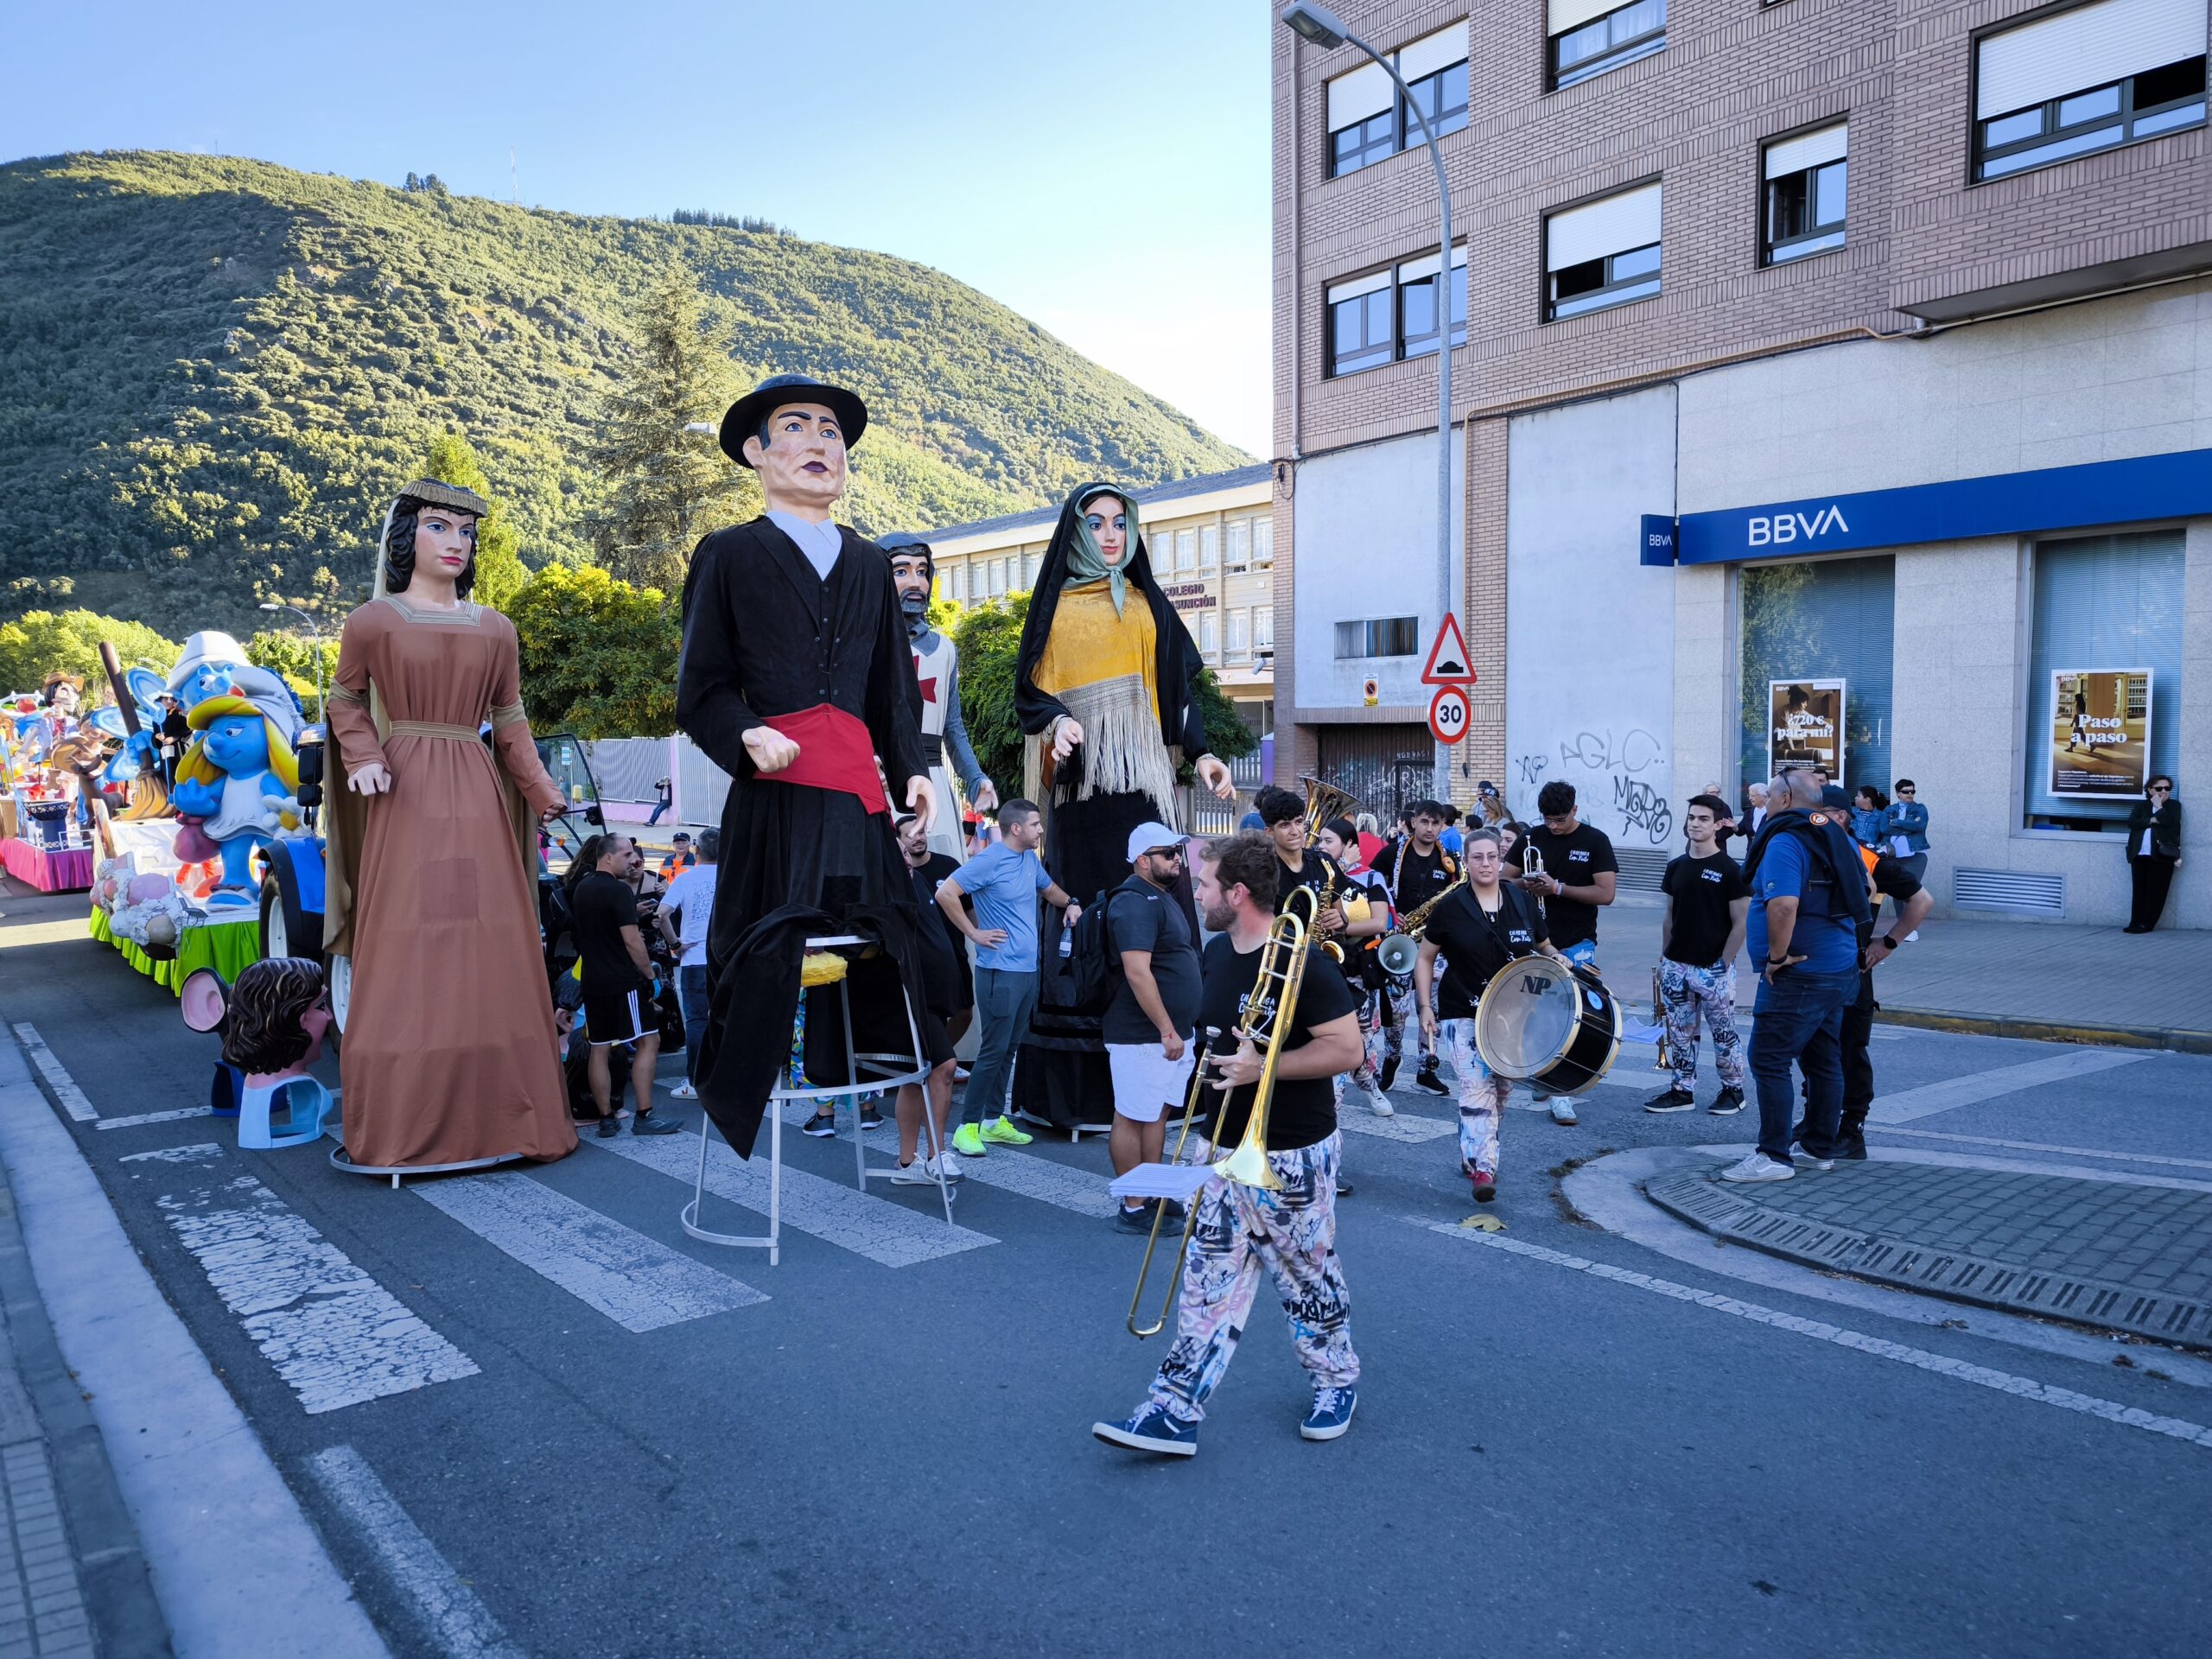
x=514, y=178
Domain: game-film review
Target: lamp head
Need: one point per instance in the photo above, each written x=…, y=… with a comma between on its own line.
x=272, y=607
x=1316, y=23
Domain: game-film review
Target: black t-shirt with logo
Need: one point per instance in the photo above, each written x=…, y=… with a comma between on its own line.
x=1475, y=945
x=1702, y=889
x=1414, y=877
x=603, y=905
x=1314, y=873
x=1578, y=859
x=1305, y=1108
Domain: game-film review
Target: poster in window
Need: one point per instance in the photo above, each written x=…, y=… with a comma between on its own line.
x=2100, y=732
x=1804, y=726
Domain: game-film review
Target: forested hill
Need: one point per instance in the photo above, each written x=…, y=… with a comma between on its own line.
x=213, y=372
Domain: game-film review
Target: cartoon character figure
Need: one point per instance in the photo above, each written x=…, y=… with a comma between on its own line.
x=236, y=788
x=152, y=912
x=214, y=666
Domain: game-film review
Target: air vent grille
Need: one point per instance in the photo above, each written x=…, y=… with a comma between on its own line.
x=2016, y=892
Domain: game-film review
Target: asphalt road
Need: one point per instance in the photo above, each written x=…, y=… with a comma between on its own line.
x=881, y=1458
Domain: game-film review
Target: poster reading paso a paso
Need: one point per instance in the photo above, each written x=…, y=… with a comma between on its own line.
x=2100, y=732
x=1804, y=725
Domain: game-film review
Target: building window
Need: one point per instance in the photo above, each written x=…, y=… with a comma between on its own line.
x=1588, y=37
x=1239, y=544
x=1417, y=304
x=1604, y=253
x=1370, y=123
x=1359, y=324
x=1381, y=636
x=1263, y=543
x=1029, y=564
x=2114, y=72
x=952, y=582
x=1210, y=637
x=1209, y=550
x=1826, y=627
x=1240, y=635
x=1263, y=628
x=1388, y=316
x=1804, y=194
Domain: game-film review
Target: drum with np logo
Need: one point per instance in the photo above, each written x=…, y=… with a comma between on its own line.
x=1547, y=1022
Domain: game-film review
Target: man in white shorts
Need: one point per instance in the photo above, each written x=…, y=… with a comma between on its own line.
x=1150, y=1022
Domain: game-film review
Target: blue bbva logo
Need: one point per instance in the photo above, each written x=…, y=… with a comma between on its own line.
x=1795, y=526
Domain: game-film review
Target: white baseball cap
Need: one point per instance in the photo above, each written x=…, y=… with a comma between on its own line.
x=1151, y=837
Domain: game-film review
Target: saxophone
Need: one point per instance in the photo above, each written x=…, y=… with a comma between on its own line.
x=1398, y=952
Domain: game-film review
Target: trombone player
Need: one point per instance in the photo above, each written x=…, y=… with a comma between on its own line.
x=1289, y=1229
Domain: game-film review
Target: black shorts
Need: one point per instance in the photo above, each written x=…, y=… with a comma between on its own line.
x=612, y=1016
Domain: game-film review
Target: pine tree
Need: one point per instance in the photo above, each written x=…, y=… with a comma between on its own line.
x=664, y=487
x=499, y=573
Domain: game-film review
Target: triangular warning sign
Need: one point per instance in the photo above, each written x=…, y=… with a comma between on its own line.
x=1447, y=657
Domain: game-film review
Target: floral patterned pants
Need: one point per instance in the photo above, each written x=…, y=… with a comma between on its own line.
x=1482, y=1097
x=1687, y=992
x=1292, y=1233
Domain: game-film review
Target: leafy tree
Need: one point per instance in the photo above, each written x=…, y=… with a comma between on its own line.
x=499, y=573
x=293, y=656
x=989, y=641
x=39, y=642
x=598, y=655
x=666, y=488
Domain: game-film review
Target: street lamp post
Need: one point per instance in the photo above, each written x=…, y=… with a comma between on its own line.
x=1325, y=28
x=321, y=703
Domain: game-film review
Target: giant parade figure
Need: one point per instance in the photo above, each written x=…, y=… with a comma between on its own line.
x=431, y=916
x=796, y=679
x=937, y=679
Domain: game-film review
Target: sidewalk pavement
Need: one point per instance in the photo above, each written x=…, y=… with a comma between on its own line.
x=2043, y=980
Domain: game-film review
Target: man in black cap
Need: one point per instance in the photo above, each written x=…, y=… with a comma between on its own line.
x=797, y=680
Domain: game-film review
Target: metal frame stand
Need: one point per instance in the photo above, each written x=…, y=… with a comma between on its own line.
x=888, y=1071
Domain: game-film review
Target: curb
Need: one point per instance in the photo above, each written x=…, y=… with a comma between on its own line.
x=2180, y=1041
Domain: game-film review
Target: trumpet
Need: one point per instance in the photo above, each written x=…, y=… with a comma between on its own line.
x=1402, y=949
x=1266, y=1016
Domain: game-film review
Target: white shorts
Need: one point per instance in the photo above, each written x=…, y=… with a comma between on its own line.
x=1146, y=1081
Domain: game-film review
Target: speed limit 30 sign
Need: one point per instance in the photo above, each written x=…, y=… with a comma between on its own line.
x=1449, y=712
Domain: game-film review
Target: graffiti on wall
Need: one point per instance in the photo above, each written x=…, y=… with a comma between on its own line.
x=1619, y=774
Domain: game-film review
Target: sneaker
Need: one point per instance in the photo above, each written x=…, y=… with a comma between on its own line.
x=1805, y=1159
x=1485, y=1185
x=1671, y=1100
x=684, y=1091
x=1152, y=1428
x=959, y=1073
x=920, y=1173
x=949, y=1167
x=1562, y=1110
x=1427, y=1078
x=1379, y=1103
x=1330, y=1415
x=870, y=1118
x=1001, y=1132
x=822, y=1126
x=654, y=1123
x=1386, y=1074
x=1756, y=1166
x=610, y=1126
x=1344, y=1187
x=967, y=1142
x=1727, y=1103
x=1138, y=1220
x=1851, y=1145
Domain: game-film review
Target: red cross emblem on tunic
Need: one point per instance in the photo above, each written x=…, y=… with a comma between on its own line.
x=928, y=685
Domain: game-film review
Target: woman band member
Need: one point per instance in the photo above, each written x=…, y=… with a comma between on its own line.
x=2153, y=851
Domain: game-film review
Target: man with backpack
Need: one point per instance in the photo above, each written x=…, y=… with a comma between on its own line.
x=1150, y=1019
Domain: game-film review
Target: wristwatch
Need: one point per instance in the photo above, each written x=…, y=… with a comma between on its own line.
x=1894, y=942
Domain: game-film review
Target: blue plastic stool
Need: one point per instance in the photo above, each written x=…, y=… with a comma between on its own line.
x=307, y=1112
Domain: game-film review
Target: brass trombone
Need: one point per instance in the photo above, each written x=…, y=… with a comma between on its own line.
x=1267, y=1013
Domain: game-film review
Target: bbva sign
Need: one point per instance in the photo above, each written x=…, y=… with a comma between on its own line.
x=1778, y=528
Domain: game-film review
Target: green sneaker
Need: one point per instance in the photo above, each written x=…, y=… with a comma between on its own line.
x=967, y=1142
x=999, y=1131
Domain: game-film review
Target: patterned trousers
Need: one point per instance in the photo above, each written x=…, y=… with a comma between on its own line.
x=1388, y=1043
x=1482, y=1097
x=1365, y=1077
x=1687, y=992
x=1292, y=1233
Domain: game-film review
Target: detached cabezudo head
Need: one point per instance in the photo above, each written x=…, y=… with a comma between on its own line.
x=272, y=1020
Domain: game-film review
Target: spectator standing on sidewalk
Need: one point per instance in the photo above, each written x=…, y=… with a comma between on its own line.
x=663, y=797
x=1906, y=820
x=685, y=909
x=679, y=858
x=1150, y=1024
x=1809, y=898
x=948, y=996
x=1700, y=934
x=2153, y=852
x=618, y=977
x=1868, y=808
x=1571, y=867
x=1005, y=880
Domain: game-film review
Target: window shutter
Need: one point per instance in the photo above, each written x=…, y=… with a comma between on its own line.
x=1358, y=286
x=1614, y=224
x=1414, y=270
x=1364, y=92
x=1807, y=150
x=1433, y=52
x=1572, y=14
x=2087, y=47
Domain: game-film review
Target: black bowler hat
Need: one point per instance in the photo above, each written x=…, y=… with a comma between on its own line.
x=743, y=421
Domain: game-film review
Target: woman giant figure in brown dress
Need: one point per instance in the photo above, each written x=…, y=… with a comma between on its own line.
x=448, y=1056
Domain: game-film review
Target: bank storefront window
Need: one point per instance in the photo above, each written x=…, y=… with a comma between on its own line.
x=2104, y=677
x=1816, y=644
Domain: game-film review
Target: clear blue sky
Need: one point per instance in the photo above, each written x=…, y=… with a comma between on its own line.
x=1103, y=169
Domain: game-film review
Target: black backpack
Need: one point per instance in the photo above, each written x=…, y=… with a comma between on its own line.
x=1094, y=967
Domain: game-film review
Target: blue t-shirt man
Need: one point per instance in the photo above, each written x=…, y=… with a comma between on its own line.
x=1004, y=884
x=1828, y=944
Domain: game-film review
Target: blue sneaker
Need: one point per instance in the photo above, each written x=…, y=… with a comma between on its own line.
x=1153, y=1428
x=1331, y=1414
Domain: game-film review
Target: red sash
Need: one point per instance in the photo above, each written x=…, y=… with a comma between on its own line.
x=834, y=752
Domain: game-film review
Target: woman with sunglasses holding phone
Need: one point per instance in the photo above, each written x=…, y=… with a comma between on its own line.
x=2153, y=851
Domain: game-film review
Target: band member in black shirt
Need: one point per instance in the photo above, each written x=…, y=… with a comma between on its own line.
x=1290, y=1230
x=1476, y=931
x=1572, y=869
x=1415, y=870
x=1707, y=905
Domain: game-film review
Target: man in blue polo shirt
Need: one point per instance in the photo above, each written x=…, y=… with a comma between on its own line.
x=1809, y=895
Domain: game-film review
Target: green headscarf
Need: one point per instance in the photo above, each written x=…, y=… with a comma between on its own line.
x=1087, y=563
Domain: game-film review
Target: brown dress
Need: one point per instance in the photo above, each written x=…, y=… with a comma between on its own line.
x=449, y=1051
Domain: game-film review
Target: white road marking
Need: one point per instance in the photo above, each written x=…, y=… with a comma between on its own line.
x=200, y=1151
x=154, y=1117
x=1409, y=1126
x=2037, y=1146
x=1930, y=1098
x=1919, y=1358
x=57, y=1076
x=334, y=1334
x=1011, y=1171
x=461, y=1625
x=873, y=1227
x=636, y=1281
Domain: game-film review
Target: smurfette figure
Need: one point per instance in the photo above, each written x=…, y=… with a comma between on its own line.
x=237, y=787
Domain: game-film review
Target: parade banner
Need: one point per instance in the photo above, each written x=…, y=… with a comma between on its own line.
x=1804, y=726
x=2100, y=732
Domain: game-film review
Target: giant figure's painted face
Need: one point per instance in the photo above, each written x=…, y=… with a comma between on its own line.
x=1108, y=519
x=238, y=744
x=911, y=573
x=803, y=464
x=445, y=542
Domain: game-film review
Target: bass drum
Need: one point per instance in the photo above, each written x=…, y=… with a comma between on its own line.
x=1545, y=1022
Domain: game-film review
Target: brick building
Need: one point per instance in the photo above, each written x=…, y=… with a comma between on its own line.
x=1841, y=368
